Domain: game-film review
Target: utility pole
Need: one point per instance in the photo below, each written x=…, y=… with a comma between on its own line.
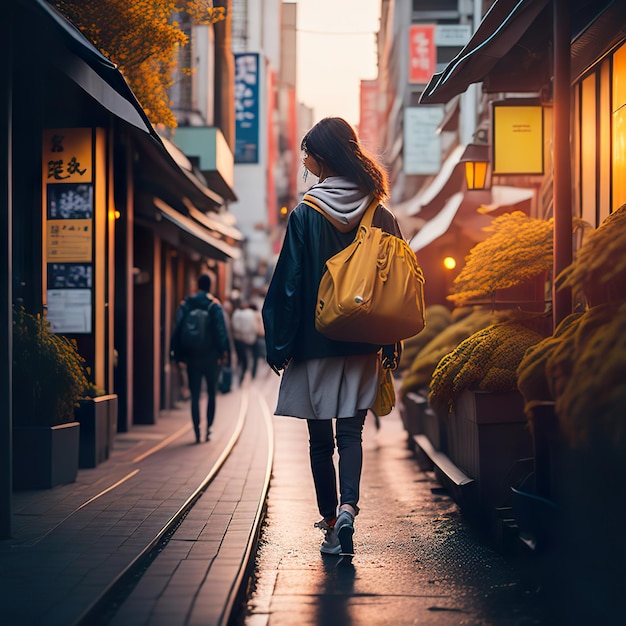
x=562, y=205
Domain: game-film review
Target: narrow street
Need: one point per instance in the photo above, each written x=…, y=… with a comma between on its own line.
x=417, y=560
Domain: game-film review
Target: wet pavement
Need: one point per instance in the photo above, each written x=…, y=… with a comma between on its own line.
x=190, y=515
x=417, y=560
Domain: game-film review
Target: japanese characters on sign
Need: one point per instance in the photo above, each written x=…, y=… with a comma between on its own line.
x=246, y=108
x=422, y=53
x=67, y=155
x=368, y=119
x=68, y=211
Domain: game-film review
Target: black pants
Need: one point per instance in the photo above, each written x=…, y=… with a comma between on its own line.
x=196, y=372
x=244, y=350
x=321, y=450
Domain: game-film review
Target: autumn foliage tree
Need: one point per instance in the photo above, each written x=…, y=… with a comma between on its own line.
x=142, y=38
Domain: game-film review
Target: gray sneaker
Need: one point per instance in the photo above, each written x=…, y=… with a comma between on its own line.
x=344, y=529
x=331, y=544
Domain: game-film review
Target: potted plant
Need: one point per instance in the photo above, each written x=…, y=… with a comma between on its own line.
x=475, y=387
x=573, y=386
x=48, y=381
x=440, y=336
x=97, y=413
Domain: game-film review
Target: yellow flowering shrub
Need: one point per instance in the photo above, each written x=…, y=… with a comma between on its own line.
x=426, y=360
x=532, y=380
x=592, y=400
x=142, y=38
x=518, y=248
x=48, y=376
x=486, y=360
x=436, y=317
x=582, y=368
x=599, y=267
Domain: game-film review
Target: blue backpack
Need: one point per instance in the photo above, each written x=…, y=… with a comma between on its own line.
x=196, y=336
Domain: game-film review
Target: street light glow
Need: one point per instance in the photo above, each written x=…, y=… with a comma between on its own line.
x=449, y=263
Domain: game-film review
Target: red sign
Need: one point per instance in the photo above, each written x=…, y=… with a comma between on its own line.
x=422, y=53
x=368, y=122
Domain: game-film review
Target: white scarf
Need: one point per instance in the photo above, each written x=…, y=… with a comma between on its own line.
x=341, y=199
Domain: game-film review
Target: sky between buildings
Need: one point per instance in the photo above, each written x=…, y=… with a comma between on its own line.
x=336, y=49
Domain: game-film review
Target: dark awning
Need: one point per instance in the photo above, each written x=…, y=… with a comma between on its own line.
x=500, y=29
x=471, y=211
x=605, y=30
x=214, y=224
x=509, y=50
x=81, y=61
x=69, y=51
x=181, y=231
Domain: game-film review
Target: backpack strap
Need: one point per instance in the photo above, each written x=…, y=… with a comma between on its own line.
x=310, y=201
x=366, y=219
x=191, y=302
x=368, y=216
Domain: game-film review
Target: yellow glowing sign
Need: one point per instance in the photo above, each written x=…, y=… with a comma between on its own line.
x=517, y=139
x=67, y=155
x=68, y=195
x=68, y=241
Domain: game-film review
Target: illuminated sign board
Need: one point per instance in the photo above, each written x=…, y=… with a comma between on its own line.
x=517, y=139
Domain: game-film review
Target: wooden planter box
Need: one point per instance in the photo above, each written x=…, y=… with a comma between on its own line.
x=487, y=435
x=98, y=426
x=45, y=456
x=419, y=419
x=411, y=411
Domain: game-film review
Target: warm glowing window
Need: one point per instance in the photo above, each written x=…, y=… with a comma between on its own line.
x=618, y=108
x=588, y=134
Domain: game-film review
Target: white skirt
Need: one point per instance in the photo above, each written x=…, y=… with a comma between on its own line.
x=330, y=387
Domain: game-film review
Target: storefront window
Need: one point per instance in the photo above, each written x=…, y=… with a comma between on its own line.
x=618, y=109
x=604, y=143
x=588, y=146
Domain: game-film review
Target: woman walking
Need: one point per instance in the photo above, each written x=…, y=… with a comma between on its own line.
x=328, y=383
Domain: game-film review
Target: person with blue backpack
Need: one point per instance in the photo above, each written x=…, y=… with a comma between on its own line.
x=200, y=340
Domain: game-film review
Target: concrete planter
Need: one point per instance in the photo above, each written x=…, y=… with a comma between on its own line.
x=98, y=425
x=45, y=456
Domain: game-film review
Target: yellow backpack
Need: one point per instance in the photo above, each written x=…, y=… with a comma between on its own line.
x=372, y=291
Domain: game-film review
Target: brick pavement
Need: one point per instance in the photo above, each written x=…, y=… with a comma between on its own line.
x=72, y=542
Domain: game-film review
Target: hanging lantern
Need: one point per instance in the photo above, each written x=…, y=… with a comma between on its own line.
x=476, y=159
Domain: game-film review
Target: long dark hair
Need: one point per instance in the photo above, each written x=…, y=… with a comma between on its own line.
x=334, y=142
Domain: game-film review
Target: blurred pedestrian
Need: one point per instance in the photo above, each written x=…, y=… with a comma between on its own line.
x=244, y=327
x=260, y=332
x=200, y=340
x=325, y=379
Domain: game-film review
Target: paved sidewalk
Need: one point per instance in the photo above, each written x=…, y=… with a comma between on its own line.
x=417, y=561
x=196, y=578
x=72, y=542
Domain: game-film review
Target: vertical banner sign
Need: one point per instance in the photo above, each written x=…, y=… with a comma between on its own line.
x=422, y=144
x=68, y=211
x=368, y=118
x=246, y=108
x=422, y=53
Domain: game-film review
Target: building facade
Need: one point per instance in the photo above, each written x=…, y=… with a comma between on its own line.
x=107, y=223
